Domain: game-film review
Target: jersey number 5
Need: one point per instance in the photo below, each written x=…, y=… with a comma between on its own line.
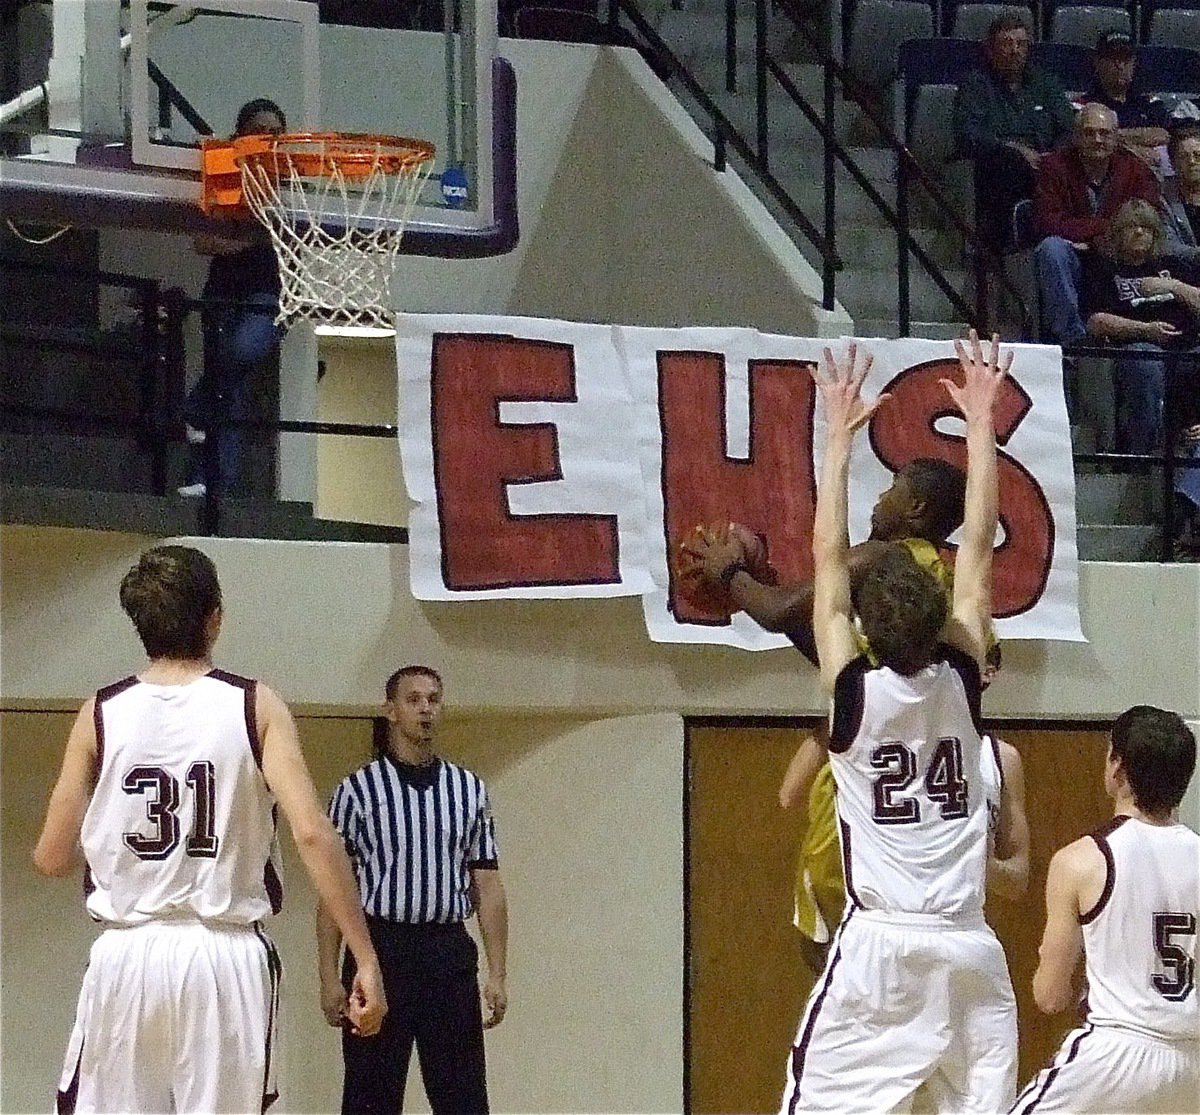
x=1176, y=983
x=162, y=787
x=944, y=782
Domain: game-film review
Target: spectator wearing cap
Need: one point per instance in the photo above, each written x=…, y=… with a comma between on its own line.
x=1007, y=115
x=1076, y=194
x=1181, y=194
x=1141, y=120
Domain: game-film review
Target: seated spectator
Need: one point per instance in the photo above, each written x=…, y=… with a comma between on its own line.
x=1006, y=117
x=1181, y=194
x=241, y=302
x=1076, y=193
x=1141, y=121
x=1136, y=298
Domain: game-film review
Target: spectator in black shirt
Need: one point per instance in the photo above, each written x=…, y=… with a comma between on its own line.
x=1141, y=120
x=1136, y=298
x=241, y=299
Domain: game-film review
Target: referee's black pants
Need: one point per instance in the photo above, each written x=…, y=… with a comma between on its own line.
x=430, y=978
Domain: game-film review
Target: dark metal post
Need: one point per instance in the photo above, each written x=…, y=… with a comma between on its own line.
x=1170, y=434
x=760, y=78
x=153, y=433
x=829, y=95
x=903, y=294
x=719, y=149
x=731, y=46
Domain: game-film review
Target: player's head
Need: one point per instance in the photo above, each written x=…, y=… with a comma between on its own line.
x=412, y=706
x=174, y=599
x=926, y=500
x=1154, y=752
x=902, y=608
x=260, y=116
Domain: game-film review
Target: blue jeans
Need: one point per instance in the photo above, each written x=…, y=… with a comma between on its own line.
x=1141, y=391
x=238, y=337
x=1058, y=270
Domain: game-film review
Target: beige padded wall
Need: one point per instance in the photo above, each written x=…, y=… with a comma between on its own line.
x=316, y=619
x=590, y=829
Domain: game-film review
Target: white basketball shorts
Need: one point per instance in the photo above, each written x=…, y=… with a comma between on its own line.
x=1102, y=1068
x=175, y=1016
x=907, y=1000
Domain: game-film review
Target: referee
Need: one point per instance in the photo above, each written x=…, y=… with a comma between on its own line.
x=419, y=832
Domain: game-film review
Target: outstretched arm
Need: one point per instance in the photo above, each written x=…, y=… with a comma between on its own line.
x=976, y=399
x=786, y=609
x=845, y=414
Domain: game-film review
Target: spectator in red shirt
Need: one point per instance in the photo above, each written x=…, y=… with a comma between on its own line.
x=1076, y=193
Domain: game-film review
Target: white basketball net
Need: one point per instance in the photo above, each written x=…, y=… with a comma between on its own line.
x=335, y=261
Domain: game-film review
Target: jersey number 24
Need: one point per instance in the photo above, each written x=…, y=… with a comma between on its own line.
x=944, y=782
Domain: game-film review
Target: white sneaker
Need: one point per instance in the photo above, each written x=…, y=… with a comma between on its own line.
x=194, y=436
x=193, y=491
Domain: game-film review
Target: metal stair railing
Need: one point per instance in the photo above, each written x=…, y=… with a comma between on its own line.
x=757, y=159
x=725, y=133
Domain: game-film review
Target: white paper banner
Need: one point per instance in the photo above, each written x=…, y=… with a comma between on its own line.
x=556, y=459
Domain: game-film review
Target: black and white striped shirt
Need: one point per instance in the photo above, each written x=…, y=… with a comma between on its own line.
x=413, y=834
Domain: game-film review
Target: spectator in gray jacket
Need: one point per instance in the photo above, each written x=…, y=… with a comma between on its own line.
x=1006, y=117
x=1181, y=194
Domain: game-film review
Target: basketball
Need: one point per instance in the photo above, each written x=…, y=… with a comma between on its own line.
x=688, y=568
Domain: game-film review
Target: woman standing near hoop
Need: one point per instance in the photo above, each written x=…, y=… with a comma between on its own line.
x=241, y=302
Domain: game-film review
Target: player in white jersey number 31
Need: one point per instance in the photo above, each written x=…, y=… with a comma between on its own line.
x=166, y=799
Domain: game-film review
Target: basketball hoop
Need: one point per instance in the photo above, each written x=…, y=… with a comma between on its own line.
x=335, y=206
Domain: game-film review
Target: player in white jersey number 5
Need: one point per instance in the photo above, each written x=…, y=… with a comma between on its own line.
x=1128, y=898
x=916, y=990
x=167, y=800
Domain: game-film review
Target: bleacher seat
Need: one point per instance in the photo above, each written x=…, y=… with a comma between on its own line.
x=971, y=21
x=960, y=14
x=1083, y=24
x=1167, y=24
x=877, y=30
x=1071, y=63
x=564, y=22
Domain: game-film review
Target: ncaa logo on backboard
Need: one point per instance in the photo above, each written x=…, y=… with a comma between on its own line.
x=454, y=187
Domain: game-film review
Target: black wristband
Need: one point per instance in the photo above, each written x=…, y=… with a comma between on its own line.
x=731, y=571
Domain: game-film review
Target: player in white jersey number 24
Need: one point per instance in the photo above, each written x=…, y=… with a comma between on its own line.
x=916, y=992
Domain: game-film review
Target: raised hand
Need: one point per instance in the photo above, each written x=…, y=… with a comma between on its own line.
x=982, y=376
x=840, y=386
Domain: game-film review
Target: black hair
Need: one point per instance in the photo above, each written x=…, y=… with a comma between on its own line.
x=251, y=108
x=170, y=595
x=379, y=726
x=1157, y=752
x=902, y=608
x=942, y=488
x=1009, y=21
x=1178, y=134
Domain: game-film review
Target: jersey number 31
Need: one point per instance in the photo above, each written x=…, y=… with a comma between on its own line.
x=162, y=810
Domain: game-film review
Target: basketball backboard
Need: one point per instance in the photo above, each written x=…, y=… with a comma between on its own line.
x=122, y=145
